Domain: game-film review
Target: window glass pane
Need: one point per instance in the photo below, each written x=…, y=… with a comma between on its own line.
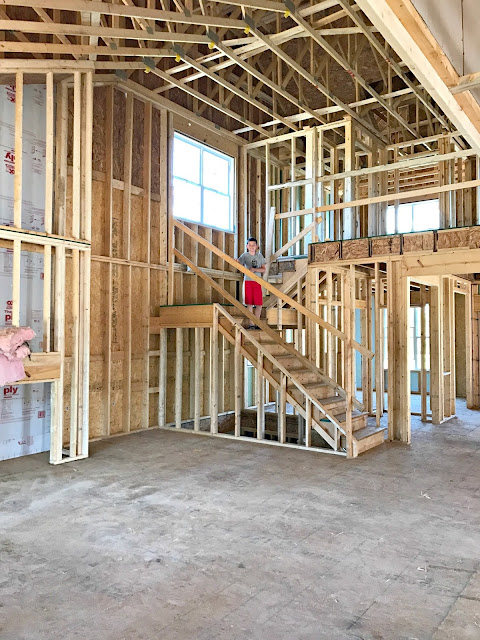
x=187, y=200
x=215, y=172
x=198, y=171
x=186, y=160
x=216, y=209
x=390, y=220
x=404, y=218
x=426, y=215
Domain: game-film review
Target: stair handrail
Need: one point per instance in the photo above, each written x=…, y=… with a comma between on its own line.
x=264, y=283
x=265, y=327
x=258, y=345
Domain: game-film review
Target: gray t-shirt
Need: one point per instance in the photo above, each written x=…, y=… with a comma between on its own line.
x=255, y=262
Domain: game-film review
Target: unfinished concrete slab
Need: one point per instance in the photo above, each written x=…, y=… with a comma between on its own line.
x=180, y=537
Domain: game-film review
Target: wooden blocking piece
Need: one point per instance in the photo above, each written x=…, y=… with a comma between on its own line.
x=420, y=242
x=386, y=246
x=288, y=317
x=325, y=251
x=353, y=249
x=42, y=367
x=187, y=316
x=449, y=239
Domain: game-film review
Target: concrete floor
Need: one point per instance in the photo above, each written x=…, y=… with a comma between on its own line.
x=182, y=537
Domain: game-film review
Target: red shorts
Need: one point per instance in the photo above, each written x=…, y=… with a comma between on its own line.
x=252, y=293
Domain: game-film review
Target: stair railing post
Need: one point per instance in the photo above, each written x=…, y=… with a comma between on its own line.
x=349, y=327
x=238, y=382
x=282, y=410
x=308, y=422
x=260, y=398
x=214, y=373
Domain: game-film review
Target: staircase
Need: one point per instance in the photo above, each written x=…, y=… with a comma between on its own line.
x=334, y=420
x=306, y=382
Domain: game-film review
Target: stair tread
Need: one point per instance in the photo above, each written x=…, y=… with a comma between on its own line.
x=367, y=431
x=332, y=400
x=309, y=385
x=355, y=415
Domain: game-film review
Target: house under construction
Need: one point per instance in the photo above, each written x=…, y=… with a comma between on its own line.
x=143, y=142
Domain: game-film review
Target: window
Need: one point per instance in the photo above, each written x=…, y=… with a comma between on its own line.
x=202, y=184
x=415, y=338
x=414, y=216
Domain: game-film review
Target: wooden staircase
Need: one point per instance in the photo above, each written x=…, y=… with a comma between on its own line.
x=329, y=411
x=328, y=400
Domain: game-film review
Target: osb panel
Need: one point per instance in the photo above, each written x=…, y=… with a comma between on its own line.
x=68, y=306
x=136, y=396
x=153, y=370
x=459, y=238
x=157, y=290
x=97, y=399
x=118, y=306
x=155, y=168
x=98, y=306
x=98, y=218
x=452, y=239
x=418, y=242
x=117, y=224
x=153, y=410
x=98, y=138
x=386, y=245
x=116, y=405
x=138, y=230
x=353, y=249
x=138, y=142
x=68, y=208
x=139, y=311
x=325, y=251
x=119, y=105
x=155, y=232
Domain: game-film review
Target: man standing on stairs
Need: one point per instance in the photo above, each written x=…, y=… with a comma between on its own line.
x=252, y=291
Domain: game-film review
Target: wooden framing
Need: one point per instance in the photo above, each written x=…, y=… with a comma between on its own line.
x=121, y=351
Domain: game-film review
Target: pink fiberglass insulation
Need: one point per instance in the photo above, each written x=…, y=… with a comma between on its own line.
x=13, y=350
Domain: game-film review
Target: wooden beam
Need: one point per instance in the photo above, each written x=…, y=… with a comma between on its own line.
x=80, y=49
x=401, y=195
x=203, y=98
x=56, y=28
x=406, y=32
x=231, y=87
x=351, y=70
x=132, y=11
x=466, y=83
x=18, y=177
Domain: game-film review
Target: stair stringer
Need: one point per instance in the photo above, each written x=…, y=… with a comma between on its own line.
x=270, y=375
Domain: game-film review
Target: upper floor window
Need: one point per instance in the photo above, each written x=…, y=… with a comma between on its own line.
x=202, y=184
x=414, y=216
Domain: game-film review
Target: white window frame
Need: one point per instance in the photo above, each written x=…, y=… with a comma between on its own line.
x=390, y=213
x=231, y=183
